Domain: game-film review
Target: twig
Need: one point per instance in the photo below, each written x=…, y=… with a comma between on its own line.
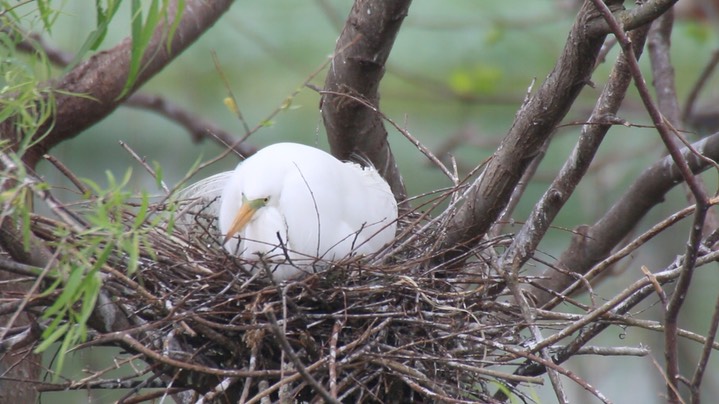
x=510, y=277
x=27, y=297
x=336, y=329
x=608, y=351
x=67, y=173
x=657, y=287
x=540, y=362
x=219, y=389
x=125, y=338
x=682, y=287
x=700, y=369
x=699, y=86
x=144, y=164
x=231, y=100
x=577, y=164
x=299, y=366
x=198, y=127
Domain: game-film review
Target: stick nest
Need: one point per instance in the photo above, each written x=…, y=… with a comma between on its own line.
x=387, y=328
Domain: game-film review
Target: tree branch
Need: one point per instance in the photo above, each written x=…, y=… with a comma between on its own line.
x=198, y=128
x=92, y=90
x=357, y=68
x=631, y=19
x=528, y=238
x=535, y=122
x=591, y=244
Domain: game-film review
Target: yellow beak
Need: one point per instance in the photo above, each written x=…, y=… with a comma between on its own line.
x=247, y=210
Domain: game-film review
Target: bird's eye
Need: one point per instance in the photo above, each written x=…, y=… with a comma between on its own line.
x=266, y=199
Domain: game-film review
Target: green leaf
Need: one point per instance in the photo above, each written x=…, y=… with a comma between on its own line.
x=141, y=212
x=93, y=41
x=141, y=37
x=158, y=174
x=70, y=339
x=175, y=23
x=49, y=340
x=45, y=14
x=132, y=247
x=51, y=288
x=699, y=32
x=68, y=292
x=91, y=291
x=478, y=80
x=102, y=258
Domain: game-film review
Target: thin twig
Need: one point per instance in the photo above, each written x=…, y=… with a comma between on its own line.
x=144, y=164
x=299, y=366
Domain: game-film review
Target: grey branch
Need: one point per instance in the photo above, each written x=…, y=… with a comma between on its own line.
x=356, y=70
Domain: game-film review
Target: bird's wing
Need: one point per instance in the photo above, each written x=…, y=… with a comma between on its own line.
x=373, y=207
x=207, y=190
x=201, y=201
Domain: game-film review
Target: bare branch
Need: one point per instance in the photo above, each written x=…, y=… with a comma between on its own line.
x=591, y=244
x=688, y=113
x=356, y=70
x=534, y=123
x=198, y=127
x=695, y=235
x=576, y=166
x=631, y=19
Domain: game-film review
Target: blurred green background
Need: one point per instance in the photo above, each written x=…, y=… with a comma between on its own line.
x=458, y=73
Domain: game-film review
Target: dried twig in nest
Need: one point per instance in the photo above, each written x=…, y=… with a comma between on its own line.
x=371, y=329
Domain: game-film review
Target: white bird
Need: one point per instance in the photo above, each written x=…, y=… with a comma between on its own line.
x=294, y=201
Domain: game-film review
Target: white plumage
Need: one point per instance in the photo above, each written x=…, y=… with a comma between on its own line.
x=298, y=201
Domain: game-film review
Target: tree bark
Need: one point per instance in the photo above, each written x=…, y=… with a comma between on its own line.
x=92, y=90
x=350, y=100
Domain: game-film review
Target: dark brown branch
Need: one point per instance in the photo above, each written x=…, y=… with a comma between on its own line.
x=101, y=78
x=659, y=44
x=688, y=113
x=287, y=348
x=591, y=244
x=198, y=127
x=356, y=70
x=663, y=80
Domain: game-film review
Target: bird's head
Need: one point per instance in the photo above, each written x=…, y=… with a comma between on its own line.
x=243, y=216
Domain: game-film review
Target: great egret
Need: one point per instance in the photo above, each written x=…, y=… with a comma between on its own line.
x=294, y=201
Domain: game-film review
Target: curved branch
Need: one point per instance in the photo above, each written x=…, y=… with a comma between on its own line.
x=92, y=90
x=631, y=19
x=357, y=68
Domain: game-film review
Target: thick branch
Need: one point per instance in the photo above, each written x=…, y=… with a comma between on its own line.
x=357, y=68
x=198, y=127
x=100, y=79
x=534, y=123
